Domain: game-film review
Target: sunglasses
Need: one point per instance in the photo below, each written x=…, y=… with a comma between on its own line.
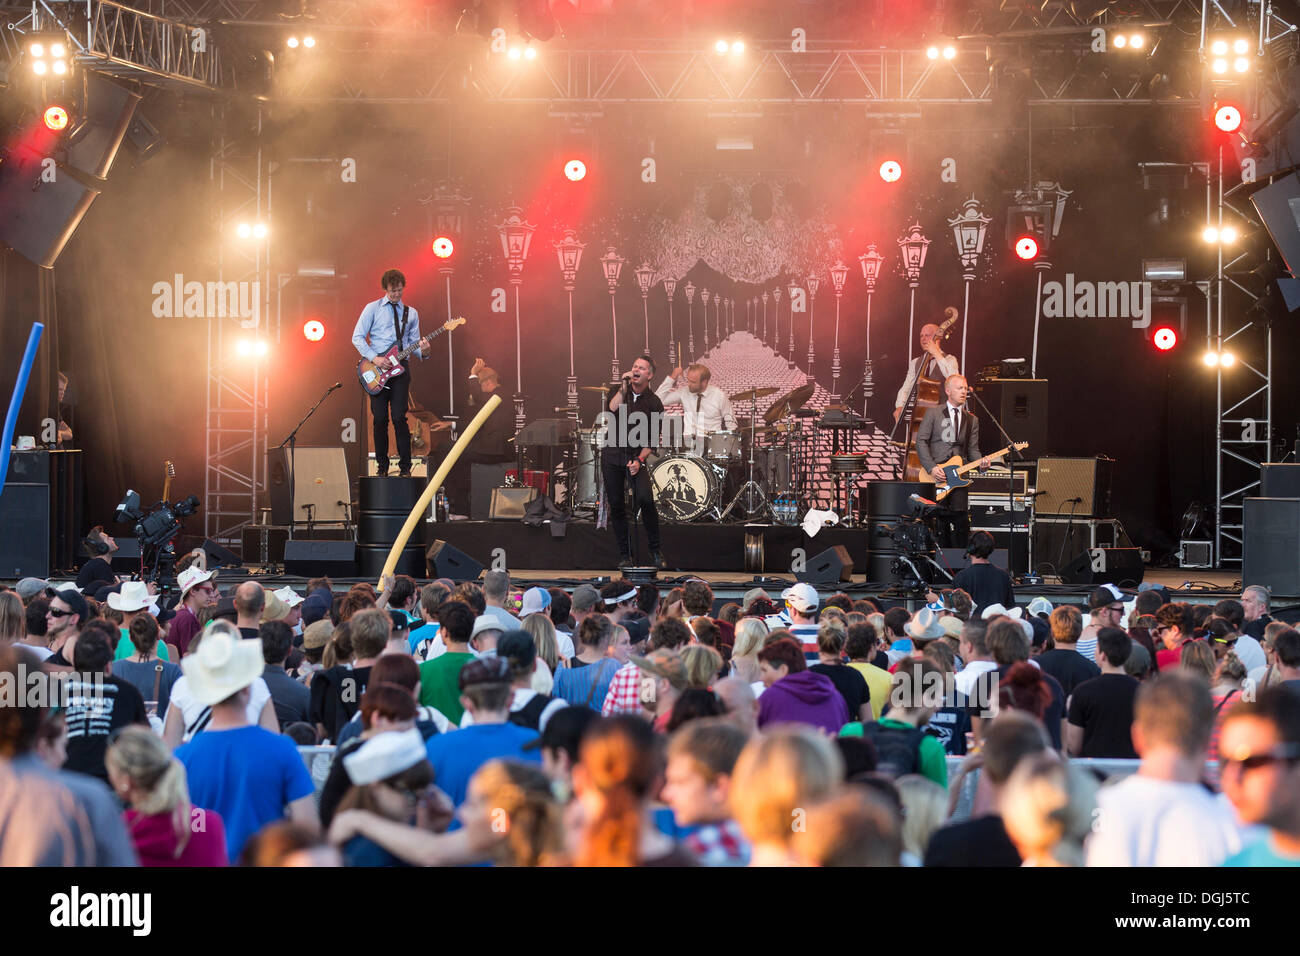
x=54, y=612
x=1285, y=753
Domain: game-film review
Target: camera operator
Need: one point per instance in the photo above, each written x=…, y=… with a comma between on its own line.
x=97, y=572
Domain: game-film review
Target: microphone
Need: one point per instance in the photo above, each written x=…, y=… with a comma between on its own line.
x=336, y=385
x=1077, y=501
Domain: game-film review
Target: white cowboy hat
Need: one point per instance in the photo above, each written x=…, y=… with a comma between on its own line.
x=222, y=666
x=289, y=596
x=993, y=610
x=192, y=576
x=134, y=596
x=924, y=626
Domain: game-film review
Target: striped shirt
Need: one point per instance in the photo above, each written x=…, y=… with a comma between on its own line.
x=575, y=684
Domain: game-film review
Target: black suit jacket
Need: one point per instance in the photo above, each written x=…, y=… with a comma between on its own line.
x=935, y=441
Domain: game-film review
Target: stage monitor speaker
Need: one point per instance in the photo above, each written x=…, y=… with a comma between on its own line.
x=1119, y=566
x=219, y=557
x=322, y=481
x=1278, y=206
x=829, y=568
x=316, y=559
x=509, y=503
x=25, y=541
x=1061, y=480
x=40, y=214
x=1279, y=481
x=1270, y=554
x=127, y=556
x=446, y=561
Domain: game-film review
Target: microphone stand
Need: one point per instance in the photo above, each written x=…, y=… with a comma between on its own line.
x=1011, y=486
x=292, y=442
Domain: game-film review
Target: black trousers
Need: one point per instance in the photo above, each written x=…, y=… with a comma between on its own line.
x=396, y=394
x=615, y=475
x=952, y=522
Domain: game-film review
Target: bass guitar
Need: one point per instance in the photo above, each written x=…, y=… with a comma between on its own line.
x=954, y=471
x=374, y=378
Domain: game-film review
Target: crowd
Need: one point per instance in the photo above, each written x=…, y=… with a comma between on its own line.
x=468, y=723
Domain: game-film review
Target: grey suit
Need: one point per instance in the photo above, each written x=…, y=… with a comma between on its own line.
x=935, y=441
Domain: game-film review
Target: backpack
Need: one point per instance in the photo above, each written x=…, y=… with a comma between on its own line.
x=898, y=750
x=530, y=715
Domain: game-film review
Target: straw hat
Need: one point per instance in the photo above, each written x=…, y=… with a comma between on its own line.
x=223, y=665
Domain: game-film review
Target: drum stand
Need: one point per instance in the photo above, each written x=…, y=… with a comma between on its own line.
x=751, y=488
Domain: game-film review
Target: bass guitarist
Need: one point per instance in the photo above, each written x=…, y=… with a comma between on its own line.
x=383, y=324
x=946, y=430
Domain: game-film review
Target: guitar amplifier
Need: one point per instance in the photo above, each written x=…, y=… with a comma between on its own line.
x=993, y=482
x=1061, y=480
x=509, y=503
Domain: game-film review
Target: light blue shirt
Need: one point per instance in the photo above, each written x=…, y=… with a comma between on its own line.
x=375, y=333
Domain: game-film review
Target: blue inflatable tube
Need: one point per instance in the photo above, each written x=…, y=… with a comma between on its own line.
x=16, y=400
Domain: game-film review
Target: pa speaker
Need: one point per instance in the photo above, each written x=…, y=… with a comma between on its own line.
x=1119, y=566
x=1277, y=205
x=1279, y=481
x=127, y=556
x=828, y=568
x=1062, y=480
x=25, y=542
x=447, y=562
x=219, y=557
x=40, y=214
x=1270, y=553
x=318, y=559
x=105, y=119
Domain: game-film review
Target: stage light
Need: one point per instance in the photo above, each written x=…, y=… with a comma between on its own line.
x=243, y=230
x=260, y=348
x=259, y=231
x=443, y=247
x=56, y=118
x=1164, y=338
x=737, y=47
x=950, y=52
x=1210, y=234
x=530, y=53
x=36, y=49
x=1119, y=42
x=575, y=170
x=1227, y=359
x=1220, y=66
x=890, y=171
x=39, y=67
x=292, y=43
x=721, y=47
x=1228, y=235
x=1241, y=64
x=313, y=330
x=58, y=50
x=1227, y=118
x=1240, y=46
x=1137, y=41
x=1211, y=359
x=1027, y=248
x=244, y=348
x=515, y=53
x=1219, y=47
x=60, y=67
x=932, y=52
x=309, y=42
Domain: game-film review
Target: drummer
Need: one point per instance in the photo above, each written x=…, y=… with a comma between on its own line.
x=705, y=407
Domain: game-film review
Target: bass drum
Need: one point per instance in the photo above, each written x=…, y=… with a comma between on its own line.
x=685, y=487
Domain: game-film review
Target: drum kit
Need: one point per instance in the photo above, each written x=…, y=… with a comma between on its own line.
x=755, y=469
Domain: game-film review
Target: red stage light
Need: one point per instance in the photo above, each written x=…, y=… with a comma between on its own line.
x=1227, y=118
x=1164, y=338
x=890, y=171
x=1027, y=248
x=313, y=330
x=443, y=247
x=56, y=118
x=575, y=170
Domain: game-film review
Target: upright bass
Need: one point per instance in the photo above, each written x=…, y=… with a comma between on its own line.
x=926, y=395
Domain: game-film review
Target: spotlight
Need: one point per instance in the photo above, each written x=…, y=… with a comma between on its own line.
x=1137, y=41
x=890, y=171
x=950, y=52
x=58, y=50
x=515, y=53
x=313, y=330
x=1241, y=64
x=1164, y=338
x=1220, y=66
x=721, y=47
x=1211, y=359
x=259, y=231
x=530, y=53
x=260, y=348
x=1120, y=41
x=36, y=49
x=292, y=43
x=244, y=348
x=932, y=52
x=39, y=67
x=56, y=118
x=1227, y=118
x=1228, y=235
x=1240, y=46
x=243, y=230
x=1027, y=248
x=1210, y=234
x=1227, y=359
x=443, y=247
x=1219, y=47
x=309, y=42
x=575, y=170
x=60, y=67
x=737, y=47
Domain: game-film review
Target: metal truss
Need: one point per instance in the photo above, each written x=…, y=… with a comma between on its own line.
x=236, y=407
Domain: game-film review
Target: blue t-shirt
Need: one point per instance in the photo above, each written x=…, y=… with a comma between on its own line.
x=1261, y=853
x=248, y=775
x=458, y=755
x=574, y=683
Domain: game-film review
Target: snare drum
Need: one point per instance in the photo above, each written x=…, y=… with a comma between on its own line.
x=685, y=487
x=723, y=447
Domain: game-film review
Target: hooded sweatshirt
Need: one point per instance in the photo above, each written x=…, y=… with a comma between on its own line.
x=154, y=836
x=805, y=698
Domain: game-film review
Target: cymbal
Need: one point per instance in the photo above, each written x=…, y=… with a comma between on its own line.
x=754, y=393
x=593, y=388
x=789, y=402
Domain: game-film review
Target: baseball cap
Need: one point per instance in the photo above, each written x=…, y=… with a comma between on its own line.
x=73, y=599
x=28, y=588
x=535, y=600
x=517, y=647
x=1040, y=605
x=1105, y=596
x=485, y=622
x=316, y=606
x=664, y=663
x=485, y=670
x=317, y=634
x=584, y=598
x=401, y=623
x=802, y=597
x=752, y=595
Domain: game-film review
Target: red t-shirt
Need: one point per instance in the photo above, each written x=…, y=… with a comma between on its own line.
x=184, y=626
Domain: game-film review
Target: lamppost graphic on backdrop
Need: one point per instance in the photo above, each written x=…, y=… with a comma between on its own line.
x=753, y=315
x=516, y=237
x=749, y=316
x=969, y=229
x=791, y=289
x=913, y=245
x=449, y=207
x=839, y=272
x=670, y=286
x=717, y=313
x=645, y=278
x=569, y=251
x=731, y=315
x=871, y=260
x=690, y=319
x=764, y=298
x=1052, y=198
x=704, y=297
x=812, y=282
x=612, y=263
x=776, y=320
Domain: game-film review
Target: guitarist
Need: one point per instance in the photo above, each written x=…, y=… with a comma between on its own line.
x=947, y=430
x=383, y=324
x=932, y=360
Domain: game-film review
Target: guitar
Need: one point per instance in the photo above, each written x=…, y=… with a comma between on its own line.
x=375, y=379
x=954, y=470
x=169, y=472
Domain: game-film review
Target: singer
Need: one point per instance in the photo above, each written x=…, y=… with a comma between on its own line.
x=490, y=446
x=937, y=364
x=947, y=430
x=637, y=413
x=383, y=324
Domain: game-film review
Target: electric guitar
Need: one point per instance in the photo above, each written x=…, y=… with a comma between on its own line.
x=169, y=472
x=954, y=470
x=374, y=379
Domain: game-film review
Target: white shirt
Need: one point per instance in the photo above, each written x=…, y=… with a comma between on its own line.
x=714, y=408
x=1141, y=821
x=1249, y=652
x=190, y=708
x=965, y=678
x=41, y=652
x=948, y=365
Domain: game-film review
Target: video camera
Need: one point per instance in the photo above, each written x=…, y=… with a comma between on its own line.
x=155, y=529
